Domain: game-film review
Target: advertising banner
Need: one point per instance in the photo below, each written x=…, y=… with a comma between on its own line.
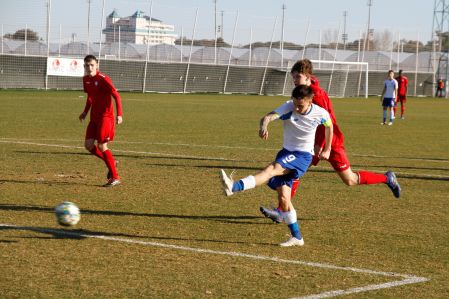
x=71, y=67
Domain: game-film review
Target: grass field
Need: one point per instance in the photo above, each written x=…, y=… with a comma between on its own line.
x=168, y=231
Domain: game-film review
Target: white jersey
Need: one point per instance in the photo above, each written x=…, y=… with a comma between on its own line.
x=390, y=88
x=299, y=129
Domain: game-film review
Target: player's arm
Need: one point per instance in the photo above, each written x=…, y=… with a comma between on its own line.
x=263, y=126
x=86, y=108
x=329, y=134
x=383, y=93
x=117, y=98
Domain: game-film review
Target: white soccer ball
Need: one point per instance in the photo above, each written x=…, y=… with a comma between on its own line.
x=67, y=213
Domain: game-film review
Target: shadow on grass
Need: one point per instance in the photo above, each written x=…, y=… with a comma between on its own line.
x=248, y=220
x=144, y=155
x=45, y=182
x=64, y=233
x=82, y=234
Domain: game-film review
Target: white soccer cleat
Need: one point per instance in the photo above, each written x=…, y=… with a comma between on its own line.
x=112, y=182
x=293, y=242
x=227, y=183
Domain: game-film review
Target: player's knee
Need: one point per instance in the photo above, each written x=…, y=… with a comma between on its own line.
x=89, y=145
x=103, y=146
x=351, y=181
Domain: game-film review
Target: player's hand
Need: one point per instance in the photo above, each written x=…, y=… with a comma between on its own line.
x=82, y=116
x=119, y=120
x=263, y=134
x=324, y=155
x=317, y=149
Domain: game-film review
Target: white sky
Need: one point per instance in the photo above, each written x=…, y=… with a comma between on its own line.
x=407, y=19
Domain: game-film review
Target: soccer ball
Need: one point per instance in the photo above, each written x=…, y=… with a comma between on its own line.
x=67, y=213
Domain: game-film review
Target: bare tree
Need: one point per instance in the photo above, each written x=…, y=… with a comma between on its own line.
x=383, y=41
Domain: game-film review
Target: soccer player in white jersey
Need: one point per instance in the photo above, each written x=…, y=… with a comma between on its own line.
x=388, y=97
x=301, y=119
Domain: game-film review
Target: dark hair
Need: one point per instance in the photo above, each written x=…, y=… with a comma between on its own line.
x=303, y=66
x=390, y=71
x=400, y=72
x=89, y=58
x=302, y=91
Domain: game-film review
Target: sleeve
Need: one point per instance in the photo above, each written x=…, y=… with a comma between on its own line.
x=326, y=119
x=285, y=108
x=88, y=104
x=114, y=93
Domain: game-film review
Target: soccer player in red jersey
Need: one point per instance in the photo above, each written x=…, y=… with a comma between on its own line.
x=402, y=92
x=100, y=91
x=301, y=73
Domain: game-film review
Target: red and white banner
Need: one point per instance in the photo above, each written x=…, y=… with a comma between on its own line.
x=70, y=67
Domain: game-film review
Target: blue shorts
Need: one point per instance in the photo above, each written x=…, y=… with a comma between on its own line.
x=388, y=102
x=297, y=162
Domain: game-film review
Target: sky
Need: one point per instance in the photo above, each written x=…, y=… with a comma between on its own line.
x=255, y=20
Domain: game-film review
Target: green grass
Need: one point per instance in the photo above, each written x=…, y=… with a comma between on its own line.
x=170, y=149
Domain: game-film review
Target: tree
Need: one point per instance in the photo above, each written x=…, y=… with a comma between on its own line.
x=20, y=35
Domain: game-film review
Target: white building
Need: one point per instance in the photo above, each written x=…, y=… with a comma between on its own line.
x=137, y=29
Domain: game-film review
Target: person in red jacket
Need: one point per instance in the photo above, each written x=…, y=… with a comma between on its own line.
x=302, y=73
x=402, y=93
x=100, y=91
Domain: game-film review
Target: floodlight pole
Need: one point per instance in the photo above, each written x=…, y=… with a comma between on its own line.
x=230, y=53
x=101, y=28
x=215, y=31
x=88, y=25
x=147, y=57
x=190, y=55
x=48, y=39
x=281, y=44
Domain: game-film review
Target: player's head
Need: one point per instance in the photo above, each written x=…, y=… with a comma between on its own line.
x=400, y=72
x=90, y=65
x=391, y=74
x=301, y=72
x=302, y=96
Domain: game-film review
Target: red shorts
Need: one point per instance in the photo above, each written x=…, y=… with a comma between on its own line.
x=337, y=159
x=402, y=99
x=101, y=130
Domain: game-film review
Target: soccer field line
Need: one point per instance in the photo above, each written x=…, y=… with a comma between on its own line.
x=168, y=155
x=405, y=278
x=214, y=146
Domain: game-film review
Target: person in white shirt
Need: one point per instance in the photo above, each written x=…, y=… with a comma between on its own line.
x=300, y=119
x=388, y=97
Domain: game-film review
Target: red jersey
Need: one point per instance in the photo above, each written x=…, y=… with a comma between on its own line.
x=100, y=89
x=321, y=99
x=402, y=85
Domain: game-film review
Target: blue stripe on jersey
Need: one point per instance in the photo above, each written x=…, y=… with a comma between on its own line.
x=286, y=116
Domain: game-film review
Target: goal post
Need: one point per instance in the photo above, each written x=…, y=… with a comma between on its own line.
x=339, y=78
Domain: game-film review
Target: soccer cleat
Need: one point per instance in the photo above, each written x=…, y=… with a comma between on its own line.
x=227, y=183
x=393, y=184
x=383, y=123
x=390, y=123
x=293, y=242
x=402, y=117
x=109, y=175
x=112, y=182
x=273, y=214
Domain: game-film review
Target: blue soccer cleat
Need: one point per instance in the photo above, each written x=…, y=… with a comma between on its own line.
x=393, y=184
x=273, y=214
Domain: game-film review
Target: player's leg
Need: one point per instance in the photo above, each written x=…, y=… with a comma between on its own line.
x=89, y=141
x=289, y=217
x=275, y=183
x=251, y=181
x=106, y=134
x=341, y=165
x=384, y=115
x=403, y=101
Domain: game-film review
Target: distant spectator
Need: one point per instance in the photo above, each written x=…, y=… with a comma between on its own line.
x=402, y=93
x=440, y=88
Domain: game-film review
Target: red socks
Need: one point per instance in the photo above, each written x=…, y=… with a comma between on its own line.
x=96, y=152
x=110, y=163
x=369, y=178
